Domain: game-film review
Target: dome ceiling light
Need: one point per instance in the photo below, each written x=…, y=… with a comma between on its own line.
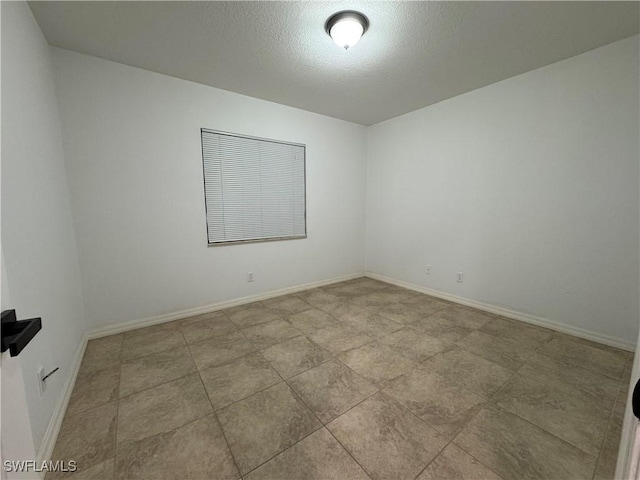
x=346, y=28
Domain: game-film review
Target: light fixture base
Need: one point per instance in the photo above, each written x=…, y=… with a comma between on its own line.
x=336, y=17
x=346, y=27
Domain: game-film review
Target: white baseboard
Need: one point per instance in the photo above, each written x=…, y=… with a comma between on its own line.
x=53, y=429
x=169, y=317
x=541, y=322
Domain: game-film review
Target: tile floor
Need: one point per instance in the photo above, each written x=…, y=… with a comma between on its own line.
x=355, y=380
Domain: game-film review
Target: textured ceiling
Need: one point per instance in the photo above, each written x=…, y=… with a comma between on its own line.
x=414, y=54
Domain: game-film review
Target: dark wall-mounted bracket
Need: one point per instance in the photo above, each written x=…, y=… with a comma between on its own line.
x=16, y=334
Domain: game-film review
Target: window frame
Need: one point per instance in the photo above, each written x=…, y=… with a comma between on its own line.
x=204, y=185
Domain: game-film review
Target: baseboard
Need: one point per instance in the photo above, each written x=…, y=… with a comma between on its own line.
x=53, y=429
x=169, y=317
x=541, y=322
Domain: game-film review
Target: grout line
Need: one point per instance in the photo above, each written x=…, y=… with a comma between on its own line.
x=115, y=437
x=492, y=402
x=545, y=430
x=420, y=420
x=435, y=456
x=473, y=456
x=282, y=451
x=347, y=450
x=299, y=440
x=495, y=394
x=318, y=418
x=163, y=383
x=212, y=408
x=609, y=423
x=489, y=401
x=324, y=425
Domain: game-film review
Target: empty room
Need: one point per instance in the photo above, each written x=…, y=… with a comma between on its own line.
x=320, y=240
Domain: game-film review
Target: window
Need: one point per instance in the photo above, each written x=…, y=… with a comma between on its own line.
x=254, y=188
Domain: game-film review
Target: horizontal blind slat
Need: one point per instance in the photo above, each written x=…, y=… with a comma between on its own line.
x=254, y=189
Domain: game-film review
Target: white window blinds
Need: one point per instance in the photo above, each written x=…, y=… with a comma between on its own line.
x=254, y=188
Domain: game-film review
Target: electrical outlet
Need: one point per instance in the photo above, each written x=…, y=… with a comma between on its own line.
x=42, y=384
x=250, y=277
x=459, y=277
x=428, y=270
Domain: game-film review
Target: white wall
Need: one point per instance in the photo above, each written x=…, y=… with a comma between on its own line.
x=132, y=145
x=529, y=186
x=40, y=264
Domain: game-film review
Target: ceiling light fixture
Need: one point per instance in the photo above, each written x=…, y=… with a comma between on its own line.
x=346, y=28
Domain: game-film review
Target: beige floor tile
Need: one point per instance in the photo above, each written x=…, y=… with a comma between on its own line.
x=331, y=389
x=586, y=354
x=470, y=371
x=572, y=417
x=368, y=284
x=599, y=388
x=254, y=315
x=319, y=297
x=311, y=321
x=215, y=315
x=196, y=329
x=386, y=440
x=590, y=343
x=414, y=345
x=101, y=471
x=94, y=389
x=402, y=313
x=161, y=409
x=219, y=350
x=455, y=464
x=546, y=421
x=146, y=372
x=239, y=379
x=514, y=448
x=507, y=352
x=377, y=362
x=101, y=353
x=270, y=333
x=317, y=457
x=442, y=404
x=239, y=308
x=465, y=317
x=261, y=426
x=426, y=305
x=154, y=341
x=620, y=406
x=287, y=305
x=339, y=338
x=382, y=298
x=625, y=383
x=375, y=326
x=440, y=327
x=606, y=465
x=164, y=326
x=347, y=290
x=88, y=437
x=195, y=451
x=405, y=291
x=346, y=311
x=295, y=356
x=528, y=335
